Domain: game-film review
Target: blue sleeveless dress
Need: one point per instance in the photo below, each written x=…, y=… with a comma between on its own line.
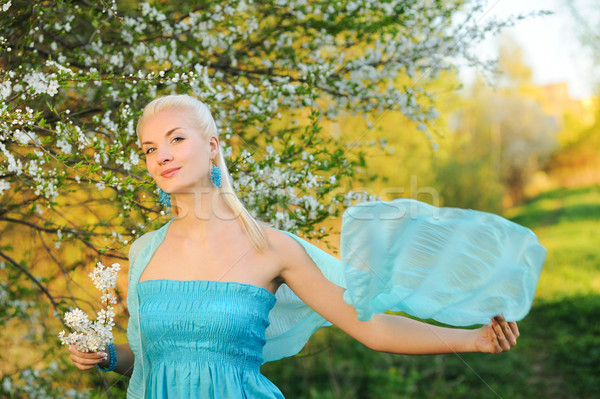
x=204, y=339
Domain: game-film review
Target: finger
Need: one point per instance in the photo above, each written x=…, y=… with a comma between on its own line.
x=493, y=338
x=501, y=338
x=85, y=361
x=515, y=328
x=83, y=367
x=505, y=335
x=87, y=355
x=77, y=352
x=507, y=331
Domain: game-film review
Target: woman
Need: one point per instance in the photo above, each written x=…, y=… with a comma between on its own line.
x=201, y=287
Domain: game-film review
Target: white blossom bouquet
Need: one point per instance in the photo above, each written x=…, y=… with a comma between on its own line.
x=92, y=336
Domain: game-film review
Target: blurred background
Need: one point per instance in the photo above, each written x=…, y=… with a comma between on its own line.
x=522, y=141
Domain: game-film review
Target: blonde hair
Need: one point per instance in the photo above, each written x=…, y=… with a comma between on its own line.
x=205, y=123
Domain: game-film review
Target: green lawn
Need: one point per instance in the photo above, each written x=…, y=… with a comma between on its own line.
x=558, y=354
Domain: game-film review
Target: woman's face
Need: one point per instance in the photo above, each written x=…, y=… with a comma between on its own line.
x=177, y=156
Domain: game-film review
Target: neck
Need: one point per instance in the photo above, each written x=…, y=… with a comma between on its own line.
x=201, y=214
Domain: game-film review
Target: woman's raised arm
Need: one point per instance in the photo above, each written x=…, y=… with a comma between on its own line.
x=386, y=333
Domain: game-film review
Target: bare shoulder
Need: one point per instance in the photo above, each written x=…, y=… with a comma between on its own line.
x=288, y=251
x=279, y=241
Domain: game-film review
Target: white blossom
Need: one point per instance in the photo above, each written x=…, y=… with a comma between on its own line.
x=95, y=335
x=21, y=137
x=42, y=83
x=78, y=320
x=5, y=89
x=64, y=146
x=103, y=277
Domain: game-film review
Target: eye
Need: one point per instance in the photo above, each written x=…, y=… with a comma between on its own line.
x=178, y=139
x=149, y=150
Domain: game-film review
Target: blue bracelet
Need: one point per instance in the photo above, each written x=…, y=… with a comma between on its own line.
x=112, y=364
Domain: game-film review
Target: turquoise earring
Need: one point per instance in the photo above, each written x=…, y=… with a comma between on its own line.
x=215, y=175
x=164, y=198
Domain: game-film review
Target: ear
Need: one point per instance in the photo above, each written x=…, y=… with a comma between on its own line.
x=214, y=146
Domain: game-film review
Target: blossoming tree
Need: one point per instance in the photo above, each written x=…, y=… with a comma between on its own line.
x=75, y=75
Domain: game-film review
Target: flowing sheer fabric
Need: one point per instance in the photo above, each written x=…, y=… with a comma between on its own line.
x=460, y=267
x=457, y=266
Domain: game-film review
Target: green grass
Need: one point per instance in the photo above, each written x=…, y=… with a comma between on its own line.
x=567, y=223
x=558, y=354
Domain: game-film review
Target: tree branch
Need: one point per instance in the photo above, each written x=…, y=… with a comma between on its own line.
x=32, y=278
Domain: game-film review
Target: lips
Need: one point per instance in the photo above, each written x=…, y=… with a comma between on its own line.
x=169, y=172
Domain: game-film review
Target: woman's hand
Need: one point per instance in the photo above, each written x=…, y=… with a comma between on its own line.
x=87, y=360
x=497, y=337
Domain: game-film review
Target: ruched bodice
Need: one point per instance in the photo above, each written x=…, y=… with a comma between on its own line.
x=205, y=338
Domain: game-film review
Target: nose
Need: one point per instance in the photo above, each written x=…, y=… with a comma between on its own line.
x=164, y=156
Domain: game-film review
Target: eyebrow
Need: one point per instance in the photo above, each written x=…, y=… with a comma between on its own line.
x=167, y=135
